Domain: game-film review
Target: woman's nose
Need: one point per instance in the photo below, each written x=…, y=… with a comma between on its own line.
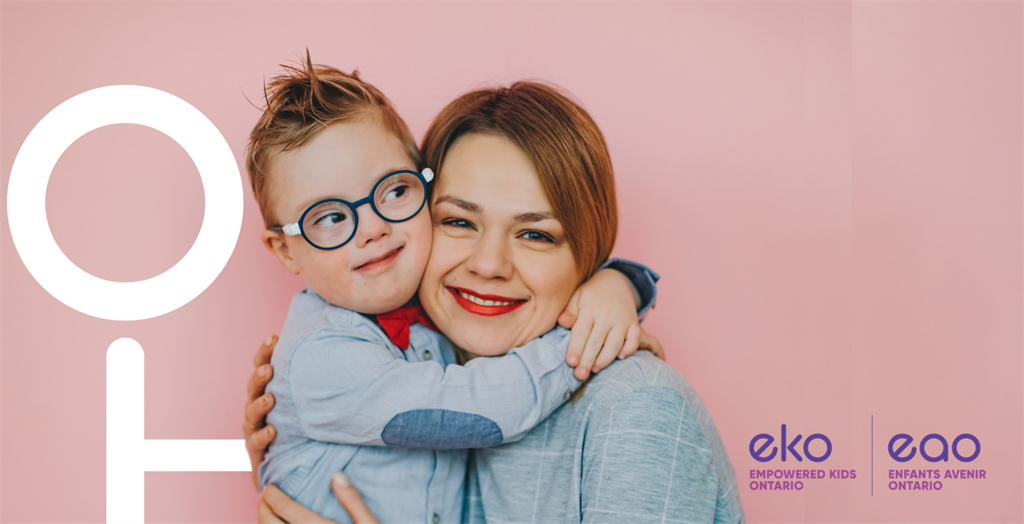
x=492, y=258
x=371, y=226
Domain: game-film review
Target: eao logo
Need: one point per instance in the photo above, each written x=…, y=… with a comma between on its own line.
x=787, y=446
x=904, y=440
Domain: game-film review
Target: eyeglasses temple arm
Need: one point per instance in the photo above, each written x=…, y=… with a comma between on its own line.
x=289, y=229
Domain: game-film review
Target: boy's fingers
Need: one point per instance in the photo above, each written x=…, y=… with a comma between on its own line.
x=258, y=380
x=651, y=344
x=571, y=311
x=612, y=348
x=577, y=340
x=289, y=510
x=265, y=351
x=632, y=341
x=593, y=347
x=351, y=500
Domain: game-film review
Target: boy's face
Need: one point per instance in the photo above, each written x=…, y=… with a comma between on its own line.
x=379, y=269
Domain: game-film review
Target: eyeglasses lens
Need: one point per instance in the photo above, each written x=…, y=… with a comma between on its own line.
x=399, y=196
x=329, y=224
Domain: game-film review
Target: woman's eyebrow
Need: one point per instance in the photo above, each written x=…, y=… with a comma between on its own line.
x=457, y=202
x=534, y=217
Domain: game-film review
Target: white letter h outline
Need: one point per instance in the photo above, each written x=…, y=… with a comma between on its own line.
x=130, y=455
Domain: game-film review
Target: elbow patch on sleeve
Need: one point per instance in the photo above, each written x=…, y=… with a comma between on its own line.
x=441, y=429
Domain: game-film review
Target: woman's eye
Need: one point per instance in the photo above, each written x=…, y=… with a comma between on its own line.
x=458, y=222
x=537, y=236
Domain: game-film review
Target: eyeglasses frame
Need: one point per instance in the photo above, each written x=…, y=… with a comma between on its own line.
x=296, y=228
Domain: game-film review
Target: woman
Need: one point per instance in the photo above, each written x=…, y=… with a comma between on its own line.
x=525, y=191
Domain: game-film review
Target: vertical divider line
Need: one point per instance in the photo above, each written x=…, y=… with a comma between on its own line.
x=872, y=455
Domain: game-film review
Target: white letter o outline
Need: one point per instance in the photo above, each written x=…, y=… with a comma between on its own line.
x=125, y=104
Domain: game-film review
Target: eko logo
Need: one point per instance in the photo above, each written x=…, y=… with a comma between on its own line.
x=903, y=440
x=129, y=454
x=759, y=453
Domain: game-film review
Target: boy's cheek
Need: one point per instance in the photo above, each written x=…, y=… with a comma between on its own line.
x=326, y=270
x=424, y=231
x=421, y=237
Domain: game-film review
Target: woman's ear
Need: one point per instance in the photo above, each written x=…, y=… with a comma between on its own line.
x=277, y=244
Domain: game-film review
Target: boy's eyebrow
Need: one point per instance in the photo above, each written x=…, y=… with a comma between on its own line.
x=458, y=202
x=305, y=205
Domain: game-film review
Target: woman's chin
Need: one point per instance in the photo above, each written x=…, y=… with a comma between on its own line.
x=484, y=345
x=487, y=351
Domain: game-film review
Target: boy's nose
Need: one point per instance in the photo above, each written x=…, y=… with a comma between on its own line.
x=371, y=226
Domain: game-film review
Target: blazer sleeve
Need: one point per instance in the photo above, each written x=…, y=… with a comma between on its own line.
x=643, y=278
x=354, y=391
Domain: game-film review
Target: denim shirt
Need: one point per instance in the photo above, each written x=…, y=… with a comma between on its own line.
x=638, y=446
x=399, y=422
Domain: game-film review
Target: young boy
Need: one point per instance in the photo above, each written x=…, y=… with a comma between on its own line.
x=336, y=173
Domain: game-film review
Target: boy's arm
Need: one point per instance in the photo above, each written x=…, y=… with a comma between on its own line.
x=354, y=391
x=643, y=279
x=605, y=314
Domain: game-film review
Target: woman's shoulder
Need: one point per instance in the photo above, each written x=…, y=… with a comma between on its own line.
x=643, y=384
x=640, y=372
x=648, y=412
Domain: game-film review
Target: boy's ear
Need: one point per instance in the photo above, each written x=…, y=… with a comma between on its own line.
x=277, y=244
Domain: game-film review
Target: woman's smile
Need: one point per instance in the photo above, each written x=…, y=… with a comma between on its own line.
x=486, y=305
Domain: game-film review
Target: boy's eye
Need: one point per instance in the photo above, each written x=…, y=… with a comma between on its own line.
x=537, y=236
x=396, y=192
x=330, y=219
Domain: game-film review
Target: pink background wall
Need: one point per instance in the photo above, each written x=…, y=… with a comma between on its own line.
x=831, y=192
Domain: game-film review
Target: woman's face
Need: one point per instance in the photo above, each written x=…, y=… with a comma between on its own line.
x=500, y=270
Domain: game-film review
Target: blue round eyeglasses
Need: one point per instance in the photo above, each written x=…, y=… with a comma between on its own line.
x=331, y=223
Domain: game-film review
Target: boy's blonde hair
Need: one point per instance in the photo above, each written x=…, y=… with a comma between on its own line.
x=301, y=103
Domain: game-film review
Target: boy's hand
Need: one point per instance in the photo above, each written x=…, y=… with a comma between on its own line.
x=259, y=435
x=602, y=315
x=649, y=343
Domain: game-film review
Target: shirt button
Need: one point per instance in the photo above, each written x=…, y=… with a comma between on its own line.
x=436, y=519
x=567, y=395
x=427, y=356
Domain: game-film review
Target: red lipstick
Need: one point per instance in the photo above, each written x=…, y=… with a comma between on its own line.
x=479, y=309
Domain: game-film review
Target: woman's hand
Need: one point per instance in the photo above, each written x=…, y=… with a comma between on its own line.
x=276, y=507
x=258, y=434
x=602, y=315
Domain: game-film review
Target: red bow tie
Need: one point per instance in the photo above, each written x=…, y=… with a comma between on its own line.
x=396, y=323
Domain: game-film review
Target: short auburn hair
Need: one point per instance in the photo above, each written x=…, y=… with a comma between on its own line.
x=302, y=102
x=567, y=150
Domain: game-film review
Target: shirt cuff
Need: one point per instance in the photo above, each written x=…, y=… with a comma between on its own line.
x=643, y=279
